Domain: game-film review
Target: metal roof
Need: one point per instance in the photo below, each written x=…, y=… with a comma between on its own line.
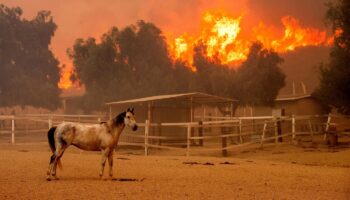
x=197, y=97
x=292, y=98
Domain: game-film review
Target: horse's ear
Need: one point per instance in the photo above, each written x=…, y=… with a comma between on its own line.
x=128, y=110
x=132, y=110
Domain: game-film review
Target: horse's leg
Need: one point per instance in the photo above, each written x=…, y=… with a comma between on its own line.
x=52, y=163
x=52, y=158
x=57, y=158
x=105, y=153
x=60, y=148
x=110, y=162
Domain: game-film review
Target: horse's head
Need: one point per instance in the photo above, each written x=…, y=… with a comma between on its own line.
x=129, y=119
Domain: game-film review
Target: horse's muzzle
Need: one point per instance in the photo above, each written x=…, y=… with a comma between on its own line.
x=134, y=128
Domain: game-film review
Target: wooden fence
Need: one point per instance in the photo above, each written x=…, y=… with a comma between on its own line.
x=213, y=135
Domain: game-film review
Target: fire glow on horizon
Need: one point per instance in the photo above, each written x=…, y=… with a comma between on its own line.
x=222, y=36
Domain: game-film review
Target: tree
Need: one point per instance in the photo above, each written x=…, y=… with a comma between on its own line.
x=133, y=62
x=334, y=89
x=259, y=79
x=29, y=71
x=211, y=76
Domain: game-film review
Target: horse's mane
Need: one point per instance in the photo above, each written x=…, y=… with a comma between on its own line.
x=120, y=118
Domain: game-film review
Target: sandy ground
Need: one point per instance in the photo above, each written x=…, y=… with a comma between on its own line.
x=282, y=172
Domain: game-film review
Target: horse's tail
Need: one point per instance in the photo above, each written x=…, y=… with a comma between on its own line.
x=51, y=139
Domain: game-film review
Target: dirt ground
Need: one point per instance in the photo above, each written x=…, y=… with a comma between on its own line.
x=282, y=172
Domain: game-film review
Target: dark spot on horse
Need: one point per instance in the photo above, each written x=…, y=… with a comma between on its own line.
x=62, y=141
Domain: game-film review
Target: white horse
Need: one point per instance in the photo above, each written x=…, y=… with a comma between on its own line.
x=100, y=137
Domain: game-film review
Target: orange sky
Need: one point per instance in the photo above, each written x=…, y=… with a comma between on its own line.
x=84, y=18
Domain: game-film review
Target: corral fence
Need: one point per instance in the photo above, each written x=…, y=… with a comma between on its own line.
x=210, y=136
x=28, y=128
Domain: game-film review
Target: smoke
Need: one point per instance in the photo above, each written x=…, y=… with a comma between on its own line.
x=310, y=12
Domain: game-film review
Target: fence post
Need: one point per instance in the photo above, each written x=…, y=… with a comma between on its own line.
x=327, y=126
x=146, y=136
x=224, y=145
x=293, y=127
x=240, y=131
x=13, y=129
x=159, y=132
x=276, y=130
x=188, y=139
x=200, y=132
x=312, y=132
x=263, y=134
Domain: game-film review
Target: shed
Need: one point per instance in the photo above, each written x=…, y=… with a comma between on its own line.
x=173, y=107
x=287, y=106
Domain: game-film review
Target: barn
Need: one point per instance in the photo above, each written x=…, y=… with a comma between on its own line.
x=172, y=108
x=287, y=106
x=185, y=107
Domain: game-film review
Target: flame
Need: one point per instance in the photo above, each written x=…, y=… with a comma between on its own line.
x=65, y=81
x=337, y=33
x=221, y=34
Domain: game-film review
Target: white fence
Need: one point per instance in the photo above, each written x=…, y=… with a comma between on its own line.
x=217, y=135
x=231, y=133
x=33, y=127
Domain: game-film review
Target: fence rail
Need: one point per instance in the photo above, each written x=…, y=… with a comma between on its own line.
x=219, y=134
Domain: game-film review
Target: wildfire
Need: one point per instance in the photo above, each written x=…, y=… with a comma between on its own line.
x=65, y=81
x=221, y=36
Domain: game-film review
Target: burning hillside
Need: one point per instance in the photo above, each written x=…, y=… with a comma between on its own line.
x=221, y=34
x=225, y=39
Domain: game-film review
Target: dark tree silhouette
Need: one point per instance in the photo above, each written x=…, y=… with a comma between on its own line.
x=259, y=79
x=29, y=71
x=334, y=87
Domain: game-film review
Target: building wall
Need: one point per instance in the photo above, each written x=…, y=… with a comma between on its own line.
x=304, y=106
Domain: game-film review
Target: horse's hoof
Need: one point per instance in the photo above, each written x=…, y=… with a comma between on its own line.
x=48, y=179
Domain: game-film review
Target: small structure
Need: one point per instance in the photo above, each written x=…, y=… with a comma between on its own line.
x=287, y=106
x=174, y=107
x=292, y=106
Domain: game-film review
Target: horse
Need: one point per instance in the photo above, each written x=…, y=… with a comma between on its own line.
x=99, y=137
